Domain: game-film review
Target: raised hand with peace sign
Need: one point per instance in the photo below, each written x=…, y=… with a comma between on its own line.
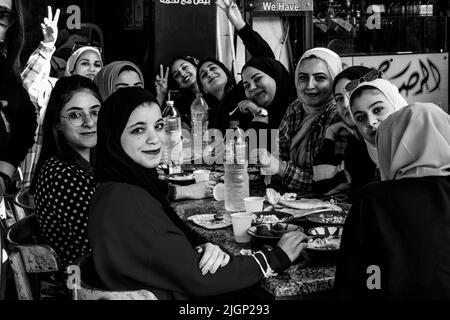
x=50, y=26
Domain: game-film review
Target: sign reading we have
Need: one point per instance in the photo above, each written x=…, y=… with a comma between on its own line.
x=280, y=6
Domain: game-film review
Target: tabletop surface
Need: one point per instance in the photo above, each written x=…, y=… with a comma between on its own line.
x=309, y=274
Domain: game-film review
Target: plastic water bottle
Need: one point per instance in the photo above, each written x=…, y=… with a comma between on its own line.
x=236, y=174
x=173, y=148
x=199, y=123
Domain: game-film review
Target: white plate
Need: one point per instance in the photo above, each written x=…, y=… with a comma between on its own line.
x=207, y=221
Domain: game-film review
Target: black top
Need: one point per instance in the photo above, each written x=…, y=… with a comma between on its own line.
x=357, y=162
x=403, y=228
x=19, y=115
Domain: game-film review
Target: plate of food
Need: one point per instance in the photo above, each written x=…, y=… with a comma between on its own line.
x=324, y=239
x=181, y=179
x=270, y=217
x=328, y=217
x=211, y=221
x=270, y=233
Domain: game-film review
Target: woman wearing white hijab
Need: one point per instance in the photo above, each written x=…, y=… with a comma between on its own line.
x=306, y=119
x=401, y=225
x=371, y=102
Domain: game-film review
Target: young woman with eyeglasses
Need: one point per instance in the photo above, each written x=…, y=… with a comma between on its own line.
x=17, y=114
x=63, y=184
x=85, y=61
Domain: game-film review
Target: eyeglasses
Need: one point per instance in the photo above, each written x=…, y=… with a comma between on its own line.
x=369, y=76
x=7, y=17
x=79, y=45
x=77, y=118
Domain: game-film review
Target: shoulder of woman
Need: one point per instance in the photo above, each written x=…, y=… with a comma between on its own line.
x=124, y=192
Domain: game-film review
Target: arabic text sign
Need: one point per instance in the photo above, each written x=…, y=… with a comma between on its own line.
x=419, y=77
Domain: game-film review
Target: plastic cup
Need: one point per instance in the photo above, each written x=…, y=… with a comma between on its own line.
x=201, y=175
x=253, y=204
x=241, y=221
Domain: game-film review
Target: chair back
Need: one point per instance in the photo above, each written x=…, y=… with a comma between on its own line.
x=24, y=235
x=90, y=285
x=23, y=204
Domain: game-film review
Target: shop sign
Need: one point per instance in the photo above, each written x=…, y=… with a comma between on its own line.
x=280, y=7
x=419, y=77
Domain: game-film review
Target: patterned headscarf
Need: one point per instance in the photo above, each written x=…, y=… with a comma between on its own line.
x=106, y=78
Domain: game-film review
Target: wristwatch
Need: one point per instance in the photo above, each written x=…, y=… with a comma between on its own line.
x=262, y=113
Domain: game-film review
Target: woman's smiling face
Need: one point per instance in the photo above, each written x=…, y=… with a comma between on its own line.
x=212, y=77
x=369, y=109
x=259, y=86
x=342, y=100
x=184, y=73
x=143, y=135
x=314, y=83
x=88, y=64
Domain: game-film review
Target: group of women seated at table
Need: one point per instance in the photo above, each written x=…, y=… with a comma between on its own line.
x=96, y=186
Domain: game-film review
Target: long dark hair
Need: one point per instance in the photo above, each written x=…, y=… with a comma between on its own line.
x=54, y=143
x=14, y=40
x=231, y=82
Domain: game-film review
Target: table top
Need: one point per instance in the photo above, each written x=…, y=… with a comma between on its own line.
x=307, y=275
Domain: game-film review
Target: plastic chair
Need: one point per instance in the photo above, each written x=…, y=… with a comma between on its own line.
x=29, y=254
x=89, y=287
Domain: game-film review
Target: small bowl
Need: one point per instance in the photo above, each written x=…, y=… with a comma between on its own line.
x=181, y=179
x=269, y=234
x=319, y=234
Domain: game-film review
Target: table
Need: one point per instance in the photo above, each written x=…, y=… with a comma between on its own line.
x=309, y=277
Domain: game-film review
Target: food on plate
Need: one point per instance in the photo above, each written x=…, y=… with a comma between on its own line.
x=272, y=196
x=331, y=218
x=328, y=243
x=210, y=221
x=305, y=203
x=265, y=218
x=277, y=230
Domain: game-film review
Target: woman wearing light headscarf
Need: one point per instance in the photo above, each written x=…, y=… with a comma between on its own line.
x=401, y=225
x=371, y=102
x=306, y=120
x=116, y=75
x=85, y=61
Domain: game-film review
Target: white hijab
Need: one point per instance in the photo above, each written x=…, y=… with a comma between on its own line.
x=72, y=61
x=390, y=91
x=415, y=142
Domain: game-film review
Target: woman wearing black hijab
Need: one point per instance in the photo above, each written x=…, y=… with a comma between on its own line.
x=138, y=240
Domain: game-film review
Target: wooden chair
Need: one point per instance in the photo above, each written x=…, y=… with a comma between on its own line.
x=89, y=287
x=29, y=255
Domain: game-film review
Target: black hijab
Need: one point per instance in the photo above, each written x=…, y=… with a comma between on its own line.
x=285, y=93
x=112, y=163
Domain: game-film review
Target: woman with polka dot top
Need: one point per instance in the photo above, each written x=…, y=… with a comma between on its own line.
x=63, y=184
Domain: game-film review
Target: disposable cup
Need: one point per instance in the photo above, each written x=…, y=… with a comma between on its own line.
x=253, y=204
x=201, y=175
x=241, y=221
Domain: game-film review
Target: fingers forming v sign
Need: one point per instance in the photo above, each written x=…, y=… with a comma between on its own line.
x=161, y=79
x=50, y=26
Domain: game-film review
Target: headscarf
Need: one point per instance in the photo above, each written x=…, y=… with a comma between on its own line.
x=285, y=92
x=414, y=142
x=113, y=164
x=72, y=61
x=300, y=140
x=106, y=78
x=332, y=59
x=390, y=91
